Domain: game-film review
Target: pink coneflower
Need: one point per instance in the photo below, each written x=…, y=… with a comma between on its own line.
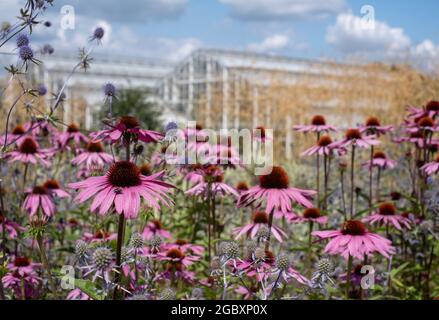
x=373, y=127
x=39, y=198
x=425, y=124
x=249, y=293
x=127, y=125
x=42, y=127
x=213, y=183
x=290, y=216
x=431, y=167
x=274, y=189
x=259, y=220
x=22, y=278
x=354, y=240
x=311, y=215
x=93, y=157
x=185, y=246
x=55, y=189
x=323, y=147
x=241, y=187
x=380, y=160
x=77, y=294
x=17, y=134
x=430, y=110
x=123, y=185
x=29, y=152
x=318, y=125
x=177, y=263
x=194, y=176
x=155, y=228
x=99, y=236
x=417, y=138
x=354, y=137
x=386, y=214
x=12, y=228
x=23, y=265
x=72, y=133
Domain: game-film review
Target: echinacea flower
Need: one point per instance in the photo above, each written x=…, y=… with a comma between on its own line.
x=418, y=138
x=356, y=241
x=311, y=215
x=354, y=137
x=17, y=134
x=274, y=189
x=127, y=125
x=29, y=152
x=99, y=236
x=318, y=125
x=213, y=183
x=431, y=109
x=425, y=124
x=177, y=263
x=373, y=127
x=22, y=278
x=185, y=246
x=93, y=157
x=55, y=189
x=387, y=215
x=323, y=147
x=11, y=228
x=259, y=220
x=72, y=133
x=381, y=161
x=77, y=294
x=39, y=198
x=123, y=186
x=155, y=228
x=431, y=167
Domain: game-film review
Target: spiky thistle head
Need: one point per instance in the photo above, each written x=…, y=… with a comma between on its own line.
x=110, y=90
x=102, y=258
x=167, y=294
x=22, y=40
x=26, y=53
x=81, y=248
x=324, y=266
x=283, y=262
x=136, y=240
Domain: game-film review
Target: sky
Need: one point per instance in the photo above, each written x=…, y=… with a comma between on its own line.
x=343, y=30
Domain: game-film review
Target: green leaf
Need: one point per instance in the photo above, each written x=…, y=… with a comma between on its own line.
x=88, y=287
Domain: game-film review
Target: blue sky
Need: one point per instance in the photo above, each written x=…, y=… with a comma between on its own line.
x=170, y=29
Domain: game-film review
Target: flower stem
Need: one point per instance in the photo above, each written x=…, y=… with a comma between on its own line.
x=46, y=266
x=348, y=277
x=370, y=179
x=318, y=174
x=270, y=224
x=352, y=181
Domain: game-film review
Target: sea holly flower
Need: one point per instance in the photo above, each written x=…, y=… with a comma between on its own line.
x=93, y=157
x=318, y=125
x=387, y=215
x=356, y=241
x=39, y=198
x=127, y=126
x=274, y=190
x=124, y=186
x=29, y=152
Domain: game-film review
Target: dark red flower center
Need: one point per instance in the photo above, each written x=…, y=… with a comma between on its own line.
x=353, y=228
x=73, y=221
x=145, y=169
x=352, y=134
x=198, y=127
x=277, y=179
x=95, y=147
x=18, y=130
x=214, y=174
x=261, y=131
x=325, y=141
x=437, y=158
x=28, y=146
x=357, y=269
x=373, y=122
x=242, y=186
x=22, y=262
x=72, y=128
x=157, y=224
x=2, y=218
x=39, y=190
x=101, y=234
x=426, y=122
x=124, y=174
x=129, y=122
x=395, y=195
x=432, y=106
x=387, y=209
x=260, y=217
x=379, y=155
x=175, y=253
x=417, y=135
x=181, y=242
x=269, y=257
x=318, y=120
x=51, y=184
x=311, y=213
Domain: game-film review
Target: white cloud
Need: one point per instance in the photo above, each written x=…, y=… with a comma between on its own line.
x=270, y=43
x=284, y=9
x=351, y=35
